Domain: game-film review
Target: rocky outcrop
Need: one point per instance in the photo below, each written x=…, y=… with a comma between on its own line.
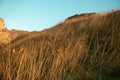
x=2, y=26
x=4, y=35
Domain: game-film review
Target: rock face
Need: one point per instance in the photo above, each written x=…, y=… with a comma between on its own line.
x=2, y=26
x=4, y=35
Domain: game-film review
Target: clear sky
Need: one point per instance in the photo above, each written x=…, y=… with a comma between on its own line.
x=40, y=14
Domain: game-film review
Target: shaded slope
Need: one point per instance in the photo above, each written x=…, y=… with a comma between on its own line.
x=7, y=36
x=78, y=49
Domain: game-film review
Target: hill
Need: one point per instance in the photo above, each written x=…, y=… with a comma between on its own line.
x=6, y=36
x=83, y=47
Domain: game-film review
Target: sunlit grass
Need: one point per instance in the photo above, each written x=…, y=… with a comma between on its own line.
x=78, y=50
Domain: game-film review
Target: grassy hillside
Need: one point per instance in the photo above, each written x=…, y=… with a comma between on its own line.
x=83, y=47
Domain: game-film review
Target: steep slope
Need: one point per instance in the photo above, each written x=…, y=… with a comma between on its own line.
x=83, y=47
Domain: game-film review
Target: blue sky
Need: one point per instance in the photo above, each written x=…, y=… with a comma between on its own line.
x=40, y=14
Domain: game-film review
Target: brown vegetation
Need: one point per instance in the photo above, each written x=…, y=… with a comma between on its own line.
x=82, y=49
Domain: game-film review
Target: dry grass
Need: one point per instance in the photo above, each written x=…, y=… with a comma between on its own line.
x=78, y=50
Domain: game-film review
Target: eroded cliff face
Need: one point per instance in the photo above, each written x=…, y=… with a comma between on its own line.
x=2, y=26
x=4, y=34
